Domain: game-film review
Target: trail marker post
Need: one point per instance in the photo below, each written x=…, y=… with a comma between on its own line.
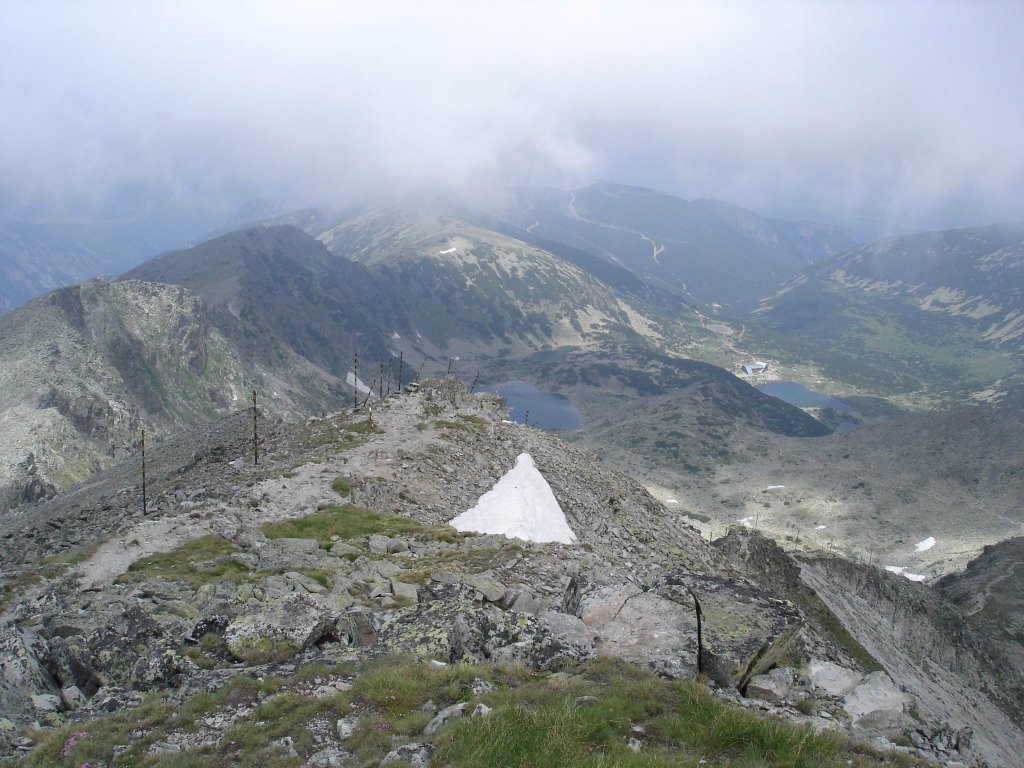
x=355, y=381
x=401, y=365
x=255, y=433
x=143, y=445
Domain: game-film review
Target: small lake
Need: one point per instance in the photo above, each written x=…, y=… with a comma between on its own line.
x=797, y=394
x=547, y=410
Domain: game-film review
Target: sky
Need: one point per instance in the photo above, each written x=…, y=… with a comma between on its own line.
x=888, y=117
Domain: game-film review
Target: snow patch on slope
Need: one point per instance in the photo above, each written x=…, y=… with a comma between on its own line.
x=521, y=505
x=901, y=570
x=352, y=381
x=925, y=545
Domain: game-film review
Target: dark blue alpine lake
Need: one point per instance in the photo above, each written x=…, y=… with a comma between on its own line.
x=548, y=410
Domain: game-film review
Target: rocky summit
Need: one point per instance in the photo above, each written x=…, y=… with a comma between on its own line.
x=316, y=609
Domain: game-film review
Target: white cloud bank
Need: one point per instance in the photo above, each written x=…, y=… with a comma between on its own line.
x=909, y=110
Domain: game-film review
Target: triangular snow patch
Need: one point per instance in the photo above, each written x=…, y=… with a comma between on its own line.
x=520, y=505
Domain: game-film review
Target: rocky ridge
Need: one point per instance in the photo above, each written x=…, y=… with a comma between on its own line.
x=334, y=551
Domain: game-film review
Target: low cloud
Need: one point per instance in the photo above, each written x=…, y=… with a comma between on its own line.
x=896, y=115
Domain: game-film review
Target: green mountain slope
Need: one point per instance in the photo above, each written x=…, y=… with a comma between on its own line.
x=471, y=289
x=938, y=315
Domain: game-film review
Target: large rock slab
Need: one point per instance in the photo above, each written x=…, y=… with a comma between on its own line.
x=291, y=555
x=449, y=624
x=641, y=627
x=832, y=679
x=877, y=695
x=294, y=619
x=773, y=686
x=745, y=630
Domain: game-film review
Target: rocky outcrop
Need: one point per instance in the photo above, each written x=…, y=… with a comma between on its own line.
x=292, y=623
x=744, y=630
x=25, y=485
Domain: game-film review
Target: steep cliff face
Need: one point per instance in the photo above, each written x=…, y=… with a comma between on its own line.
x=955, y=673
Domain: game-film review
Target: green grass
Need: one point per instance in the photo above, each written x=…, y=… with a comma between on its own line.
x=341, y=486
x=459, y=425
x=335, y=435
x=348, y=522
x=459, y=561
x=535, y=720
x=264, y=650
x=181, y=563
x=205, y=560
x=141, y=727
x=684, y=725
x=76, y=555
x=14, y=585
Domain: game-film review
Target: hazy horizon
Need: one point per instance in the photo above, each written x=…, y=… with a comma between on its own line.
x=884, y=118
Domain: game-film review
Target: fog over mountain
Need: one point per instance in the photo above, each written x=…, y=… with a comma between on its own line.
x=879, y=117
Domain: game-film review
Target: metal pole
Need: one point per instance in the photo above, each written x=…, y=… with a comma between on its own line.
x=390, y=362
x=255, y=433
x=401, y=365
x=475, y=380
x=700, y=634
x=355, y=382
x=449, y=373
x=144, y=510
x=380, y=394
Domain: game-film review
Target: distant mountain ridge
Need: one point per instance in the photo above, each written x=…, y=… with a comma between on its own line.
x=708, y=250
x=941, y=311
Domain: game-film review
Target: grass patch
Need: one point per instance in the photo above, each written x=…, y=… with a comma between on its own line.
x=445, y=424
x=535, y=720
x=457, y=560
x=348, y=522
x=685, y=725
x=140, y=728
x=341, y=486
x=211, y=652
x=76, y=555
x=398, y=685
x=14, y=585
x=198, y=561
x=264, y=650
x=335, y=435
